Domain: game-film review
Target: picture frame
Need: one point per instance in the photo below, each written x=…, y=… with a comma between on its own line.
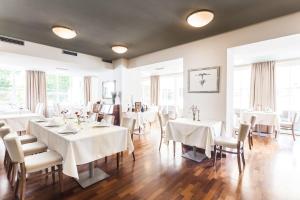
x=107, y=88
x=204, y=80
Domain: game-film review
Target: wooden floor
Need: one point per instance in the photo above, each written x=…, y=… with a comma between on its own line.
x=272, y=172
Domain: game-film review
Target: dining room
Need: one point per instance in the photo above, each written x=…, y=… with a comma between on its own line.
x=130, y=100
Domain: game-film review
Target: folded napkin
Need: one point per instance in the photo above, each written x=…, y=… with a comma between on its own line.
x=69, y=128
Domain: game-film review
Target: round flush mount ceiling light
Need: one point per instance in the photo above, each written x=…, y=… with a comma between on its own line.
x=64, y=32
x=200, y=18
x=119, y=49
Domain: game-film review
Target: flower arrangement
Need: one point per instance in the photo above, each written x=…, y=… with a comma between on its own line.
x=79, y=116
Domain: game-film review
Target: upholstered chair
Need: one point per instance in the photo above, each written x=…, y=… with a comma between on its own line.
x=289, y=126
x=30, y=164
x=235, y=144
x=163, y=120
x=129, y=123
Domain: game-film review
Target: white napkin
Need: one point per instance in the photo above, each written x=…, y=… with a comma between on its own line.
x=69, y=128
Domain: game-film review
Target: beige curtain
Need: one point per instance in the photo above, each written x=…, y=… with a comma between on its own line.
x=263, y=90
x=36, y=90
x=154, y=93
x=87, y=89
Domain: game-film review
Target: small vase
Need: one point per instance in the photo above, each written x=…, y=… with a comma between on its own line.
x=194, y=116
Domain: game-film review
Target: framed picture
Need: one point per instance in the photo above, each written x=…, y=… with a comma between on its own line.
x=204, y=80
x=138, y=106
x=107, y=88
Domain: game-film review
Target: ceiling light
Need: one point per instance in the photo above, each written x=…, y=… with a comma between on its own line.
x=119, y=49
x=63, y=32
x=200, y=18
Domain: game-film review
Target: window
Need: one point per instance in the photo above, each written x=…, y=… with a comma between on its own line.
x=146, y=91
x=288, y=85
x=63, y=89
x=12, y=87
x=241, y=87
x=171, y=90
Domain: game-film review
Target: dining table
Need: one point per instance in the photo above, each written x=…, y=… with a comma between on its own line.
x=141, y=118
x=197, y=134
x=90, y=142
x=262, y=118
x=18, y=122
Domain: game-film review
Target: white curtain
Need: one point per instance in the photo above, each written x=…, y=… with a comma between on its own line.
x=263, y=90
x=87, y=89
x=36, y=90
x=155, y=87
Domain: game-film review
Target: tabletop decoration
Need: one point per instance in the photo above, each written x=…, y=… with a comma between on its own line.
x=64, y=114
x=194, y=110
x=80, y=117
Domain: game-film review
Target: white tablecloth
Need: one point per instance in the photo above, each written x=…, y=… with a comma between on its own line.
x=263, y=118
x=88, y=145
x=141, y=117
x=200, y=134
x=18, y=122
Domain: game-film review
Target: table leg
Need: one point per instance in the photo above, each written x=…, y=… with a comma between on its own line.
x=194, y=155
x=92, y=176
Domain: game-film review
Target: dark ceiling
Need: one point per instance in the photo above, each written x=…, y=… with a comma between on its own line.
x=143, y=26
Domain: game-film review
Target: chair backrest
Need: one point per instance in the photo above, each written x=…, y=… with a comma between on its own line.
x=14, y=148
x=163, y=120
x=96, y=108
x=4, y=131
x=295, y=119
x=252, y=121
x=128, y=123
x=109, y=119
x=243, y=132
x=2, y=124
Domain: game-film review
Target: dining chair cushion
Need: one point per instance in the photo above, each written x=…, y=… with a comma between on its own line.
x=4, y=131
x=42, y=161
x=25, y=139
x=228, y=142
x=34, y=148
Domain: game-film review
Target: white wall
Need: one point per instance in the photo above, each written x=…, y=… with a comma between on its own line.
x=212, y=51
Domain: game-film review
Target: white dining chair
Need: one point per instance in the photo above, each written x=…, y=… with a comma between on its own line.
x=129, y=123
x=163, y=120
x=236, y=144
x=290, y=125
x=31, y=164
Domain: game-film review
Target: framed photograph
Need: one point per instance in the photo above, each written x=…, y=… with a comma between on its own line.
x=138, y=106
x=204, y=80
x=107, y=88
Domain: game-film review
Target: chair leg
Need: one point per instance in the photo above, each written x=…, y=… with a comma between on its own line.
x=17, y=187
x=53, y=174
x=23, y=186
x=174, y=147
x=276, y=134
x=13, y=175
x=118, y=160
x=239, y=160
x=46, y=178
x=215, y=155
x=61, y=178
x=133, y=156
x=243, y=157
x=221, y=148
x=105, y=159
x=251, y=137
x=293, y=132
x=161, y=137
x=249, y=141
